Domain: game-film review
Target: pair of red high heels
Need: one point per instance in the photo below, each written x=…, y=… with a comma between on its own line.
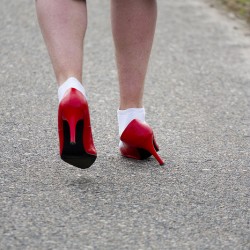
x=75, y=135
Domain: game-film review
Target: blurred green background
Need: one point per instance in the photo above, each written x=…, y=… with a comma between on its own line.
x=240, y=7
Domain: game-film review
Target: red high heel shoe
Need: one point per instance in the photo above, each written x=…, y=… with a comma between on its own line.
x=75, y=135
x=138, y=142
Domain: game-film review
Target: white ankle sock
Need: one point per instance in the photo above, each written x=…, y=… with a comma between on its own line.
x=127, y=115
x=71, y=82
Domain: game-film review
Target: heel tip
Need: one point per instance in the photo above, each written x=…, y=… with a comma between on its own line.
x=72, y=143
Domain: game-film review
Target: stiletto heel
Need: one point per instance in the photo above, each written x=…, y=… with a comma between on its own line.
x=138, y=142
x=75, y=135
x=150, y=147
x=72, y=129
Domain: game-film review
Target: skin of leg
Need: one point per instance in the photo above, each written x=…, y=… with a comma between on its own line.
x=63, y=24
x=133, y=27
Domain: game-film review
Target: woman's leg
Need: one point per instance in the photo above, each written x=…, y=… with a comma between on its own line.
x=133, y=26
x=63, y=24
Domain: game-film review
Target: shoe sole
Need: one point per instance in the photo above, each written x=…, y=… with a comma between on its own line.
x=75, y=154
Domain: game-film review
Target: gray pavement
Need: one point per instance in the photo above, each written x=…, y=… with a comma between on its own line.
x=197, y=99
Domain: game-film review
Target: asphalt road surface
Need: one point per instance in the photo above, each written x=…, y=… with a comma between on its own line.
x=197, y=99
